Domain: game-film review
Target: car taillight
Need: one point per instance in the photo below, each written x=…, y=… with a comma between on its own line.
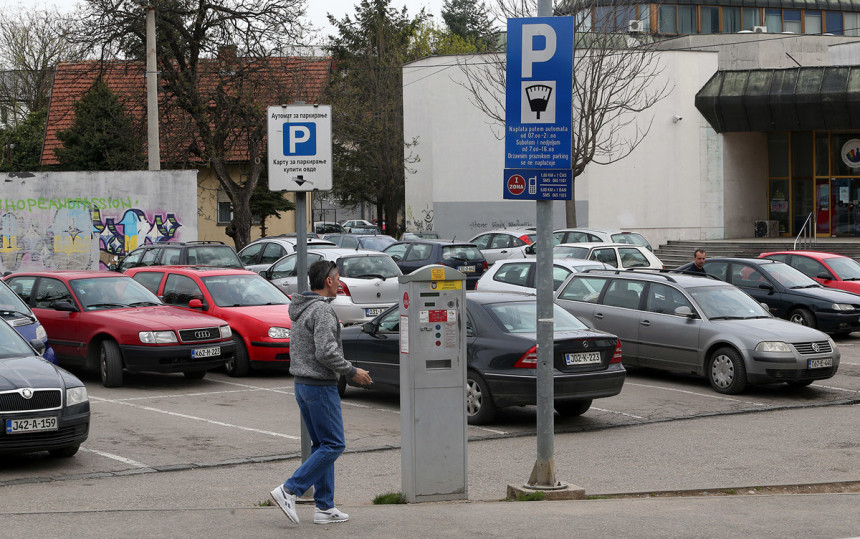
x=526, y=239
x=616, y=356
x=342, y=289
x=486, y=266
x=528, y=360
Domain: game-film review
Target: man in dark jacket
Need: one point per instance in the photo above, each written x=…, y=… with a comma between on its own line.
x=316, y=360
x=698, y=265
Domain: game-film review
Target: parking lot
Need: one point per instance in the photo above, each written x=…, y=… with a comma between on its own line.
x=164, y=421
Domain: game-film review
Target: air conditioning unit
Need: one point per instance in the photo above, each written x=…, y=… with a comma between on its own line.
x=759, y=29
x=767, y=229
x=635, y=26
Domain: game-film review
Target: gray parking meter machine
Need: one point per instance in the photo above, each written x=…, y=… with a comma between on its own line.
x=432, y=384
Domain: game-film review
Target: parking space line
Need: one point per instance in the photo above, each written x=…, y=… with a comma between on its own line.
x=195, y=418
x=838, y=388
x=124, y=460
x=615, y=412
x=626, y=383
x=203, y=394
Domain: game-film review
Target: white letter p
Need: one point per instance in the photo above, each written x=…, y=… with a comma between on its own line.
x=531, y=56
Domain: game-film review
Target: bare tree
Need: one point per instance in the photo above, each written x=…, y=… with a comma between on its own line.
x=615, y=78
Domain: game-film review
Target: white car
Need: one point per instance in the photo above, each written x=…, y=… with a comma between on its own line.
x=368, y=281
x=262, y=253
x=618, y=255
x=504, y=243
x=356, y=223
x=518, y=274
x=598, y=235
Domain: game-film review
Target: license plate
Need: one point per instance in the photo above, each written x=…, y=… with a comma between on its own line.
x=466, y=269
x=373, y=312
x=583, y=358
x=819, y=363
x=206, y=352
x=33, y=424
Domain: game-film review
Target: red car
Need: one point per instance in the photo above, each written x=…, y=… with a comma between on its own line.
x=98, y=319
x=255, y=308
x=829, y=269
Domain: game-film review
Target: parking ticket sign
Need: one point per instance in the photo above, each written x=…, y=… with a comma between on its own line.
x=300, y=156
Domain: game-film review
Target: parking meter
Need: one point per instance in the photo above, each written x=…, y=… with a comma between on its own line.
x=432, y=384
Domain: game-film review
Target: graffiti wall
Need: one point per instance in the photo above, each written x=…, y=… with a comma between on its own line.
x=89, y=220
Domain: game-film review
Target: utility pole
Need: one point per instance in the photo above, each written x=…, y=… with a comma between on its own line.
x=152, y=140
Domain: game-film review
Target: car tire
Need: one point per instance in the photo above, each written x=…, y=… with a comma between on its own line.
x=194, y=375
x=341, y=385
x=239, y=365
x=64, y=452
x=572, y=408
x=480, y=408
x=802, y=317
x=110, y=364
x=727, y=372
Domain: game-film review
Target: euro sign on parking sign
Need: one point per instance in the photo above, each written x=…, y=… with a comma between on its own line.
x=300, y=157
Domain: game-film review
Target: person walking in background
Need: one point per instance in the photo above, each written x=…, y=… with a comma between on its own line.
x=316, y=360
x=698, y=262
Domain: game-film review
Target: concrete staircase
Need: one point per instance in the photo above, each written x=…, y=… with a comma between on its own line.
x=676, y=253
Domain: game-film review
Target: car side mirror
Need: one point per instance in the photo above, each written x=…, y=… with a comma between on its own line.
x=765, y=306
x=369, y=328
x=684, y=310
x=824, y=276
x=195, y=304
x=766, y=286
x=530, y=250
x=64, y=305
x=113, y=267
x=38, y=345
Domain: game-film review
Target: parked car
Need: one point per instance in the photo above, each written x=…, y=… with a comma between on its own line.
x=698, y=325
x=827, y=269
x=99, y=319
x=420, y=235
x=597, y=235
x=364, y=231
x=256, y=310
x=171, y=253
x=368, y=281
x=504, y=243
x=376, y=242
x=360, y=223
x=262, y=253
x=502, y=356
x=18, y=315
x=789, y=293
x=42, y=407
x=323, y=227
x=519, y=274
x=617, y=255
x=463, y=257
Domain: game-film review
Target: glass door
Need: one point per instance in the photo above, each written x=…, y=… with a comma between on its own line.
x=822, y=206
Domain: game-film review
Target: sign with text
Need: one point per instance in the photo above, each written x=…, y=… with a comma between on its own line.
x=538, y=93
x=538, y=184
x=300, y=148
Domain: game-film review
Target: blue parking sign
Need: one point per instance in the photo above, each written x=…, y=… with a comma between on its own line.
x=300, y=139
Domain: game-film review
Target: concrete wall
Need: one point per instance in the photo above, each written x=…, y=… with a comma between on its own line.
x=745, y=170
x=84, y=220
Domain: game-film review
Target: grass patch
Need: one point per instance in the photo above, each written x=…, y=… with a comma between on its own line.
x=603, y=497
x=730, y=491
x=265, y=503
x=389, y=498
x=531, y=497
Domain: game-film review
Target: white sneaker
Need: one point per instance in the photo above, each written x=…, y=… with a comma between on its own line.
x=287, y=502
x=329, y=515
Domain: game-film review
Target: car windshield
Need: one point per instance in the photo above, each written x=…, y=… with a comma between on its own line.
x=368, y=267
x=727, y=303
x=521, y=317
x=565, y=251
x=243, y=291
x=11, y=306
x=788, y=276
x=630, y=238
x=12, y=344
x=466, y=253
x=213, y=255
x=376, y=243
x=846, y=268
x=112, y=293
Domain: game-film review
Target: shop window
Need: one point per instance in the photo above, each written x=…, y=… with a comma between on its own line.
x=773, y=20
x=710, y=19
x=751, y=17
x=687, y=19
x=811, y=22
x=791, y=21
x=731, y=20
x=667, y=20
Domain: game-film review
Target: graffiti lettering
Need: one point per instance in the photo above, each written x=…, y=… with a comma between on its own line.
x=32, y=204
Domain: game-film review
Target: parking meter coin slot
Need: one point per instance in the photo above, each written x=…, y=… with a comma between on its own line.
x=438, y=364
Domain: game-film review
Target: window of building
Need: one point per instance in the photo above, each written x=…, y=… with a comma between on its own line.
x=835, y=24
x=773, y=20
x=710, y=19
x=791, y=21
x=731, y=20
x=811, y=22
x=667, y=20
x=603, y=20
x=751, y=17
x=623, y=16
x=225, y=213
x=687, y=19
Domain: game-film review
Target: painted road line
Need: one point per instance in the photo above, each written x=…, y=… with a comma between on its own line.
x=124, y=460
x=615, y=412
x=706, y=395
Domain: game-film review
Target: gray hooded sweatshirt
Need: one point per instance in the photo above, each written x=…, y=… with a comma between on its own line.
x=316, y=353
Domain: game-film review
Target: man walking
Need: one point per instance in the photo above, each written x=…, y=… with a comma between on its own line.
x=316, y=360
x=698, y=265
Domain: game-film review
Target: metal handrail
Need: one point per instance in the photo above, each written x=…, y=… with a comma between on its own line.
x=808, y=232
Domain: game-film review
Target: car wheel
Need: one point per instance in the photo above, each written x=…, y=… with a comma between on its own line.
x=802, y=317
x=572, y=408
x=480, y=408
x=727, y=372
x=799, y=384
x=64, y=452
x=194, y=375
x=110, y=364
x=238, y=365
x=341, y=385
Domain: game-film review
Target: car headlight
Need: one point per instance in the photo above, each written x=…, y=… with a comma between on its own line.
x=41, y=334
x=76, y=395
x=842, y=307
x=157, y=337
x=772, y=346
x=226, y=333
x=279, y=333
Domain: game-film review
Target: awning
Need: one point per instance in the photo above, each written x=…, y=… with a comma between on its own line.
x=795, y=99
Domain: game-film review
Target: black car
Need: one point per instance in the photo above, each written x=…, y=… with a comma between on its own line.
x=43, y=407
x=501, y=356
x=173, y=253
x=463, y=257
x=789, y=293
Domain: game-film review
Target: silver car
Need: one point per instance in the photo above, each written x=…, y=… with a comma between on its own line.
x=703, y=326
x=518, y=274
x=260, y=254
x=368, y=281
x=504, y=243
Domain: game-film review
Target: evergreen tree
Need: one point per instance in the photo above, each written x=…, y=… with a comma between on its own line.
x=103, y=135
x=21, y=145
x=266, y=203
x=471, y=21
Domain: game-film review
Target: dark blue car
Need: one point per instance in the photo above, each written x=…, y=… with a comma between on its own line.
x=462, y=256
x=18, y=315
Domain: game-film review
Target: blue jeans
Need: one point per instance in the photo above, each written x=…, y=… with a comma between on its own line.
x=320, y=408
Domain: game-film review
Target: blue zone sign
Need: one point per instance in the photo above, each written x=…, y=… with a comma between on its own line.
x=538, y=106
x=538, y=184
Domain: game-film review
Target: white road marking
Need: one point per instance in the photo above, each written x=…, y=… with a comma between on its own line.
x=838, y=388
x=849, y=363
x=195, y=418
x=615, y=412
x=706, y=395
x=130, y=462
